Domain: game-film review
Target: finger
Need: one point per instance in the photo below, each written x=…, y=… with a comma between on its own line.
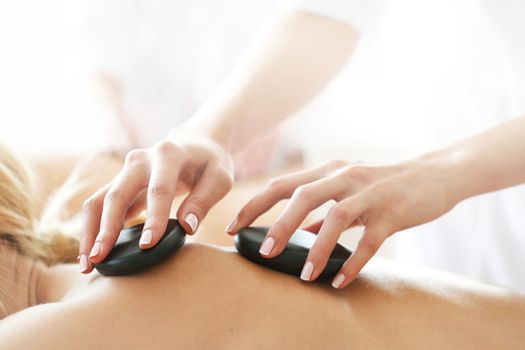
x=212, y=186
x=278, y=189
x=129, y=182
x=368, y=245
x=304, y=199
x=161, y=191
x=92, y=211
x=336, y=221
x=138, y=206
x=314, y=227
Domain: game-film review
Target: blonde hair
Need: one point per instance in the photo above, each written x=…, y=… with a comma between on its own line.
x=18, y=220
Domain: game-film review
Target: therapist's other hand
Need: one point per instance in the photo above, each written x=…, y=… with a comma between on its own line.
x=383, y=199
x=151, y=178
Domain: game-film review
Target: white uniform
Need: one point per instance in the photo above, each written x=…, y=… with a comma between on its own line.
x=449, y=70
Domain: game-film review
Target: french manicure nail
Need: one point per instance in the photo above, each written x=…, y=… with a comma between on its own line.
x=96, y=250
x=145, y=238
x=308, y=268
x=191, y=219
x=338, y=280
x=83, y=263
x=267, y=246
x=231, y=226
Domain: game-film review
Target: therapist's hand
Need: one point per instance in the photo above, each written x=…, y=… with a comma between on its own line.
x=150, y=179
x=384, y=199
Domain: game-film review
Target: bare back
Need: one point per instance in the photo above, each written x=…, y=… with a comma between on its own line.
x=205, y=297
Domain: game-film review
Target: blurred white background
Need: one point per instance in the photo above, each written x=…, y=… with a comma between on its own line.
x=169, y=56
x=164, y=58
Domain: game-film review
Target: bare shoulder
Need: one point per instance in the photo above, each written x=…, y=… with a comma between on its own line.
x=48, y=326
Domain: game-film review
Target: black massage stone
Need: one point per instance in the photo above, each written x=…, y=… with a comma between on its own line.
x=291, y=261
x=127, y=257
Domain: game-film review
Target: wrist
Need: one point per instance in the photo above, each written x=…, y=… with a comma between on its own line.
x=189, y=134
x=450, y=171
x=199, y=129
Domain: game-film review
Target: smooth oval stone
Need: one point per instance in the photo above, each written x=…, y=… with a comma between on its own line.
x=127, y=257
x=291, y=261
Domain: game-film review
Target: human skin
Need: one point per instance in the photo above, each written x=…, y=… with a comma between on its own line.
x=196, y=158
x=386, y=198
x=205, y=297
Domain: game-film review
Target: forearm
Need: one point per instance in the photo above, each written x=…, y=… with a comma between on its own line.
x=490, y=161
x=111, y=89
x=286, y=68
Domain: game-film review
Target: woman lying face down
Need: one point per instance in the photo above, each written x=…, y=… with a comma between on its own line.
x=206, y=297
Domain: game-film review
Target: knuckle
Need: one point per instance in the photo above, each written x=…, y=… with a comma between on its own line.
x=339, y=213
x=159, y=189
x=279, y=187
x=166, y=147
x=383, y=193
x=91, y=204
x=371, y=243
x=304, y=193
x=198, y=204
x=228, y=184
x=357, y=172
x=225, y=181
x=115, y=195
x=276, y=184
x=336, y=163
x=135, y=156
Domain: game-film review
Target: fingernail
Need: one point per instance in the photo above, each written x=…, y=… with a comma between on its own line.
x=338, y=280
x=96, y=250
x=83, y=263
x=267, y=246
x=307, y=271
x=145, y=238
x=231, y=226
x=191, y=219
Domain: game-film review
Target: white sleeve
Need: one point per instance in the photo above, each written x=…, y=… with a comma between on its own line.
x=363, y=15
